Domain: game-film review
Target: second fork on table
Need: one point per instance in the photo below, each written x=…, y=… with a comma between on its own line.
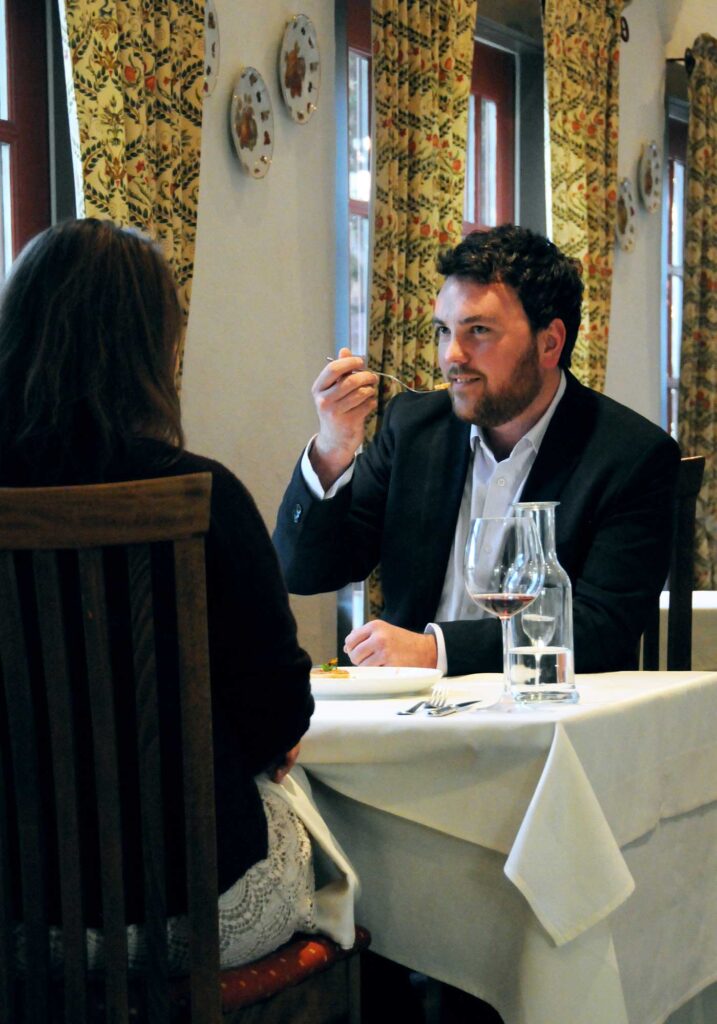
x=436, y=699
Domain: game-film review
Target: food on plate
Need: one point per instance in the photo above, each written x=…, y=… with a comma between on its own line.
x=330, y=670
x=442, y=386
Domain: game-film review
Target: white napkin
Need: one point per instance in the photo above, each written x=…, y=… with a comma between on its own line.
x=565, y=859
x=334, y=901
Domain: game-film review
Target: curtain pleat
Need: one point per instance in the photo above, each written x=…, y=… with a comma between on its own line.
x=698, y=373
x=136, y=78
x=581, y=39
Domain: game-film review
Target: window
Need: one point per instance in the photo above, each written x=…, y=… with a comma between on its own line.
x=490, y=155
x=24, y=149
x=676, y=164
x=359, y=168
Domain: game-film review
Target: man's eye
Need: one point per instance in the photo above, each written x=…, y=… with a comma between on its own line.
x=441, y=331
x=479, y=329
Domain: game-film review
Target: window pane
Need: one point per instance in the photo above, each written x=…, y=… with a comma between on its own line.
x=677, y=208
x=469, y=201
x=488, y=162
x=5, y=221
x=675, y=325
x=359, y=128
x=3, y=65
x=358, y=284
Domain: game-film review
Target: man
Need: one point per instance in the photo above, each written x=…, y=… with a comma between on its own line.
x=513, y=425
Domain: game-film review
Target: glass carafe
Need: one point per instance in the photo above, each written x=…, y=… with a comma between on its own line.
x=540, y=651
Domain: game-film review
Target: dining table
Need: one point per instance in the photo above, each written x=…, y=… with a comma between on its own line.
x=557, y=860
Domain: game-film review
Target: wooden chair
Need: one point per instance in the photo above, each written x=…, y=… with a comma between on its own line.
x=58, y=639
x=681, y=575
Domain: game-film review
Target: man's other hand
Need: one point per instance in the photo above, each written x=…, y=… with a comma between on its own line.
x=379, y=643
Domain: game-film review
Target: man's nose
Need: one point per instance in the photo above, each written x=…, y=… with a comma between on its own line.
x=453, y=351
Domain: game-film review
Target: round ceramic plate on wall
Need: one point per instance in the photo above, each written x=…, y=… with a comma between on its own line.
x=211, y=47
x=300, y=68
x=649, y=177
x=252, y=123
x=625, y=223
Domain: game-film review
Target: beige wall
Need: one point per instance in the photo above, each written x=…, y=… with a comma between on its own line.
x=263, y=307
x=262, y=313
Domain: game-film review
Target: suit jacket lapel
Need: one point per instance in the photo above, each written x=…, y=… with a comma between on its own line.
x=562, y=445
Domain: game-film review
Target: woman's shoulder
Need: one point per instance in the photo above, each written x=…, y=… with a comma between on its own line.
x=156, y=459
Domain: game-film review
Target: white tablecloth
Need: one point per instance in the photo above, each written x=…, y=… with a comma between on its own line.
x=704, y=629
x=558, y=862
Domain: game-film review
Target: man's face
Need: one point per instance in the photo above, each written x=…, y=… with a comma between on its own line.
x=487, y=350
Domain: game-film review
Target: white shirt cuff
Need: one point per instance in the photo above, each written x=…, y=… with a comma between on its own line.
x=441, y=656
x=312, y=481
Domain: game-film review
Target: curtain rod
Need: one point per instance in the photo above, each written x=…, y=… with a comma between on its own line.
x=688, y=60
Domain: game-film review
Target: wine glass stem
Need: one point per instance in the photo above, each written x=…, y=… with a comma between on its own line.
x=506, y=666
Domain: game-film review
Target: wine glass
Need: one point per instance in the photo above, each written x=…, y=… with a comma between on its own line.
x=503, y=570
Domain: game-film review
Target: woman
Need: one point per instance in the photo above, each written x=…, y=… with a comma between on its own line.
x=89, y=326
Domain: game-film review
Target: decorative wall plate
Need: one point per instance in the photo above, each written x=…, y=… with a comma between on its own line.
x=211, y=47
x=300, y=68
x=252, y=122
x=649, y=177
x=625, y=223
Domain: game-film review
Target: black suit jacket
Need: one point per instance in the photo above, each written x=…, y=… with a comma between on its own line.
x=612, y=471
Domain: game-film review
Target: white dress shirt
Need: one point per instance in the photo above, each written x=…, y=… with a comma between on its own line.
x=490, y=489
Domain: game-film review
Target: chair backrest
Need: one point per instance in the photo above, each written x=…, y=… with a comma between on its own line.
x=75, y=564
x=681, y=575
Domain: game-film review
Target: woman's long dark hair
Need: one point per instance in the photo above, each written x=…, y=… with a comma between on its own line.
x=89, y=324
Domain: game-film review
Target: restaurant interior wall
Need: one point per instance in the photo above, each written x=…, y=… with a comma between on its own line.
x=262, y=318
x=262, y=315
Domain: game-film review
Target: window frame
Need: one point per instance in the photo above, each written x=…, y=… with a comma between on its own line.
x=26, y=129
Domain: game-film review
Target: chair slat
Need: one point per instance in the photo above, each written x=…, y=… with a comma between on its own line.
x=65, y=772
x=679, y=624
x=202, y=883
x=681, y=575
x=99, y=677
x=150, y=776
x=7, y=943
x=23, y=746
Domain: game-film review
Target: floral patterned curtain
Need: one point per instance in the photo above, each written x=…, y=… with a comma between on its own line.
x=422, y=57
x=137, y=71
x=581, y=39
x=698, y=374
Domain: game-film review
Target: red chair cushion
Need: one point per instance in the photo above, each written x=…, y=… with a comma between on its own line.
x=287, y=966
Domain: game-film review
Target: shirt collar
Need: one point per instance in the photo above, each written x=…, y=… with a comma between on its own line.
x=533, y=437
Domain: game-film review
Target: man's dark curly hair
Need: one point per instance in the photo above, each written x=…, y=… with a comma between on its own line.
x=548, y=283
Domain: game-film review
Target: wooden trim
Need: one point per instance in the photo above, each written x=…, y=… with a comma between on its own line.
x=110, y=514
x=28, y=120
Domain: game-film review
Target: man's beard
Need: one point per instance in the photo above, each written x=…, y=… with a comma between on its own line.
x=494, y=408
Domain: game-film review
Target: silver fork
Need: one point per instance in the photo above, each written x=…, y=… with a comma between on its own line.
x=436, y=699
x=390, y=376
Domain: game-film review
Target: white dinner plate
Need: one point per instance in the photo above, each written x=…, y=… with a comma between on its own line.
x=375, y=682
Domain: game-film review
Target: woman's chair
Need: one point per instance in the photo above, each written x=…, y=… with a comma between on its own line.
x=59, y=547
x=681, y=575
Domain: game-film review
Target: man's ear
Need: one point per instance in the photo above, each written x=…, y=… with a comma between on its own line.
x=551, y=340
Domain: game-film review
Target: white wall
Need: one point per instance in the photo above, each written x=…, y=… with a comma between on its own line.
x=693, y=18
x=262, y=314
x=658, y=29
x=634, y=352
